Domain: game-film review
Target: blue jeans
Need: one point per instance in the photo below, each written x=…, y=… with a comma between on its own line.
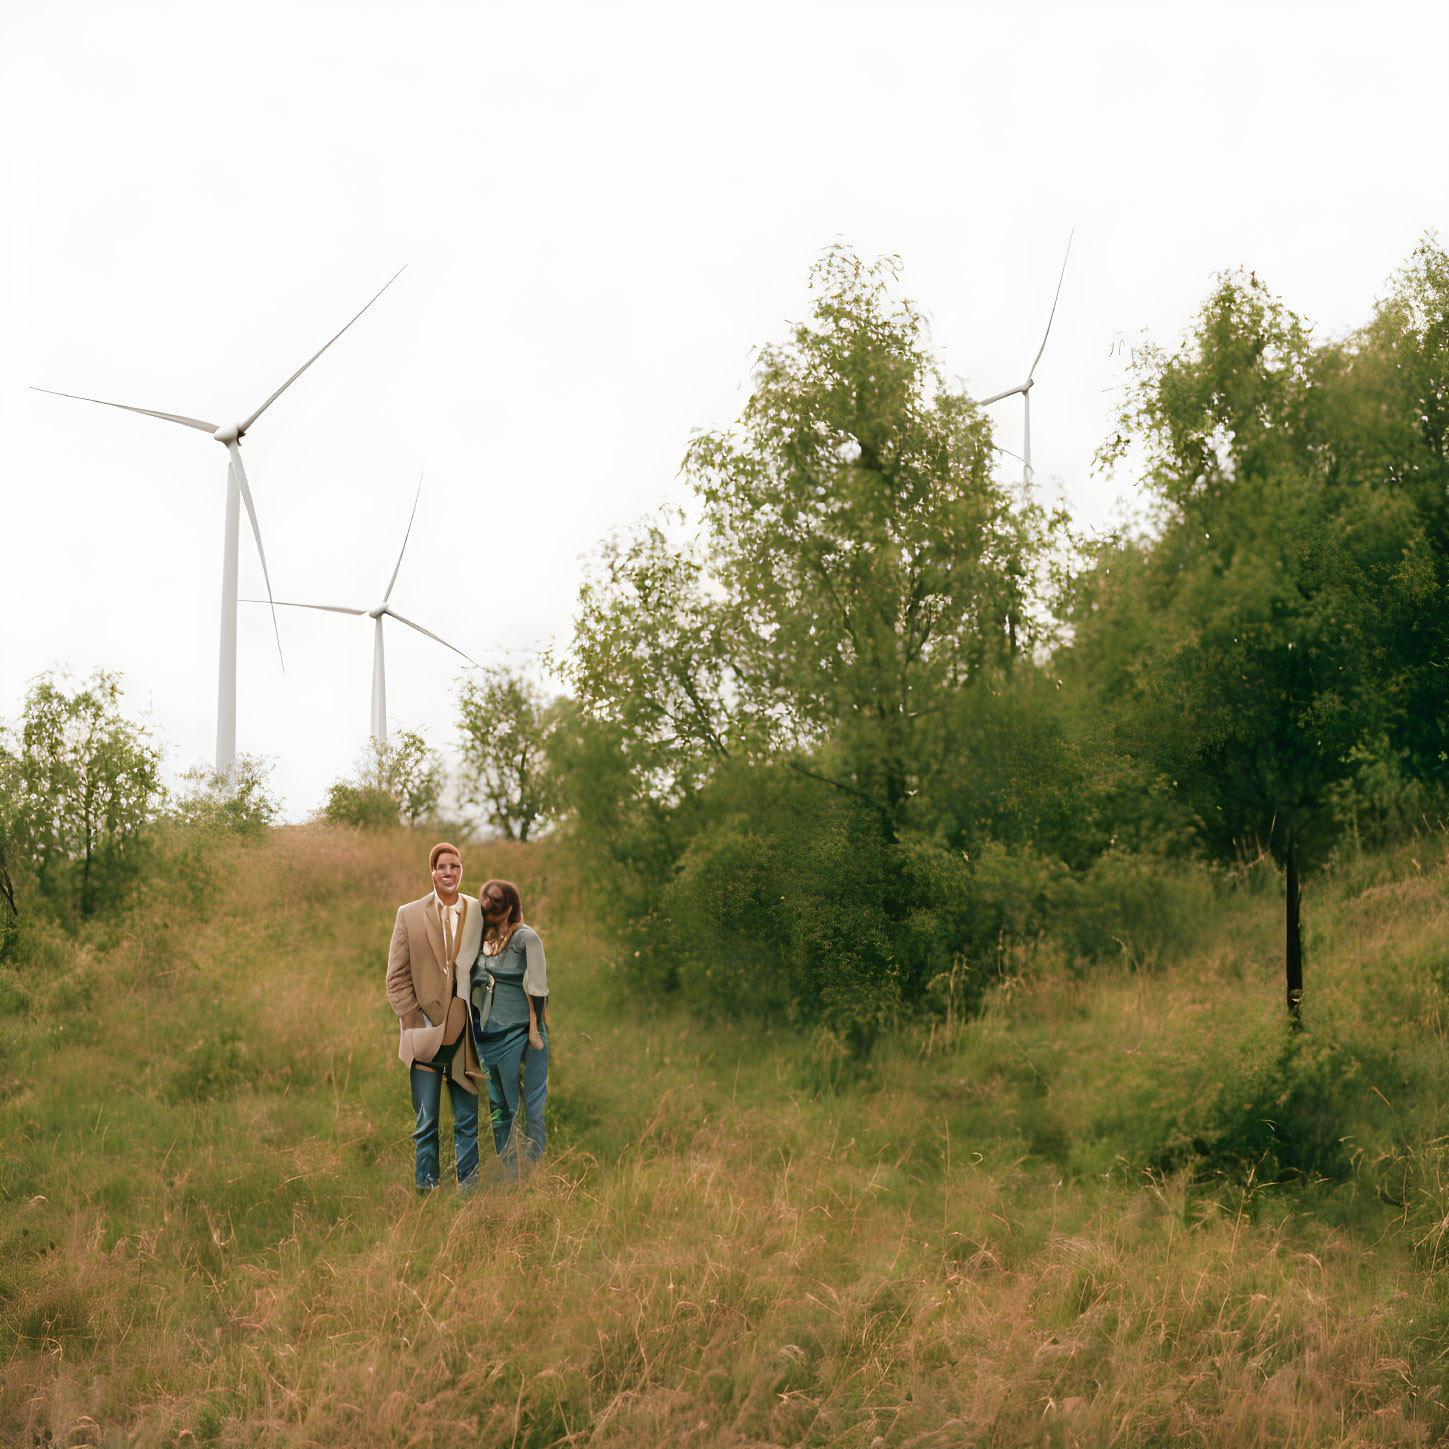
x=427, y=1102
x=505, y=1099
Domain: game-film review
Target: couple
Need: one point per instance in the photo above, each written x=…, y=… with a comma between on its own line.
x=467, y=980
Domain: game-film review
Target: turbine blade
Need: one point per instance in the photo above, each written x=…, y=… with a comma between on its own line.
x=149, y=412
x=394, y=613
x=996, y=397
x=406, y=536
x=1055, y=300
x=246, y=493
x=291, y=604
x=242, y=427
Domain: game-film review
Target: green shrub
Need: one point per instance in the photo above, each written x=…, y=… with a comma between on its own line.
x=1284, y=1106
x=234, y=801
x=799, y=906
x=1143, y=906
x=364, y=807
x=398, y=780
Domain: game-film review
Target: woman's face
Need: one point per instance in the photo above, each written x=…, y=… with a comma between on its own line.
x=494, y=906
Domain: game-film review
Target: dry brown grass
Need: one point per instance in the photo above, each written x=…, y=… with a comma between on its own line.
x=209, y=1235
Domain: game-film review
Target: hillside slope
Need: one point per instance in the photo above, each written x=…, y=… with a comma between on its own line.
x=1121, y=1208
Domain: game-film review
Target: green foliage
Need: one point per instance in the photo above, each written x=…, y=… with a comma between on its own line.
x=797, y=921
x=505, y=723
x=857, y=560
x=1069, y=1189
x=361, y=806
x=1125, y=905
x=771, y=707
x=87, y=783
x=1276, y=646
x=1283, y=626
x=9, y=807
x=1387, y=426
x=395, y=780
x=234, y=801
x=785, y=900
x=1286, y=1107
x=789, y=901
x=1380, y=800
x=860, y=614
x=626, y=837
x=1025, y=765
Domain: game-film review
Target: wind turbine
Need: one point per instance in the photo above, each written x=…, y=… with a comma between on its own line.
x=377, y=613
x=237, y=492
x=1024, y=388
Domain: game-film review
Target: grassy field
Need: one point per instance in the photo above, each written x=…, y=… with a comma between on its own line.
x=1117, y=1208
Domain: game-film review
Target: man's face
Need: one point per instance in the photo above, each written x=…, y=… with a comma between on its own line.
x=447, y=872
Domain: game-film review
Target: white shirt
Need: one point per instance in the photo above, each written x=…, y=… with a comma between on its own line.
x=535, y=975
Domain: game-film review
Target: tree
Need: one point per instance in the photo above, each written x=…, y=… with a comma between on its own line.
x=778, y=689
x=398, y=779
x=9, y=802
x=1252, y=639
x=857, y=563
x=89, y=788
x=505, y=722
x=1386, y=405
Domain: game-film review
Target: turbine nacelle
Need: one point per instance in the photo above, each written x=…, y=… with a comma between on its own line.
x=231, y=433
x=1022, y=388
x=379, y=612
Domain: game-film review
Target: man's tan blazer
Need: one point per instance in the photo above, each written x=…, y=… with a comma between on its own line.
x=417, y=983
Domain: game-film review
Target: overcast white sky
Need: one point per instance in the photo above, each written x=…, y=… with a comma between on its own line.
x=602, y=208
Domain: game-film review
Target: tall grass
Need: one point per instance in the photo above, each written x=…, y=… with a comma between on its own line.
x=1120, y=1208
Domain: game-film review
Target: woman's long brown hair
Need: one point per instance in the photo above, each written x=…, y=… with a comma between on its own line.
x=504, y=933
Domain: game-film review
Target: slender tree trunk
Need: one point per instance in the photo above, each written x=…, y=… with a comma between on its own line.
x=7, y=886
x=1294, y=944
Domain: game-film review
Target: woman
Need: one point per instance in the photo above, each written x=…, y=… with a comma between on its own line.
x=510, y=1020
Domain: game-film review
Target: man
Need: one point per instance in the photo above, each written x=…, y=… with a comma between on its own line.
x=433, y=946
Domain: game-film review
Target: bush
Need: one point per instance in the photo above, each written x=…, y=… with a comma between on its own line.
x=395, y=781
x=363, y=806
x=788, y=899
x=1141, y=906
x=82, y=791
x=1380, y=802
x=800, y=906
x=1284, y=1106
x=235, y=801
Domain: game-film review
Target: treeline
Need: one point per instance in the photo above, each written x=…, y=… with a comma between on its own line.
x=865, y=718
x=881, y=714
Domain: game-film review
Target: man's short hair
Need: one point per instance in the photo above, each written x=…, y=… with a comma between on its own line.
x=441, y=848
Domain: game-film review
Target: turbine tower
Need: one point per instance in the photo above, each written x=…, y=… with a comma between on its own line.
x=237, y=492
x=1024, y=388
x=377, y=613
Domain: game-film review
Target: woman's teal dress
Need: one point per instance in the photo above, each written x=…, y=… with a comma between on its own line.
x=500, y=1022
